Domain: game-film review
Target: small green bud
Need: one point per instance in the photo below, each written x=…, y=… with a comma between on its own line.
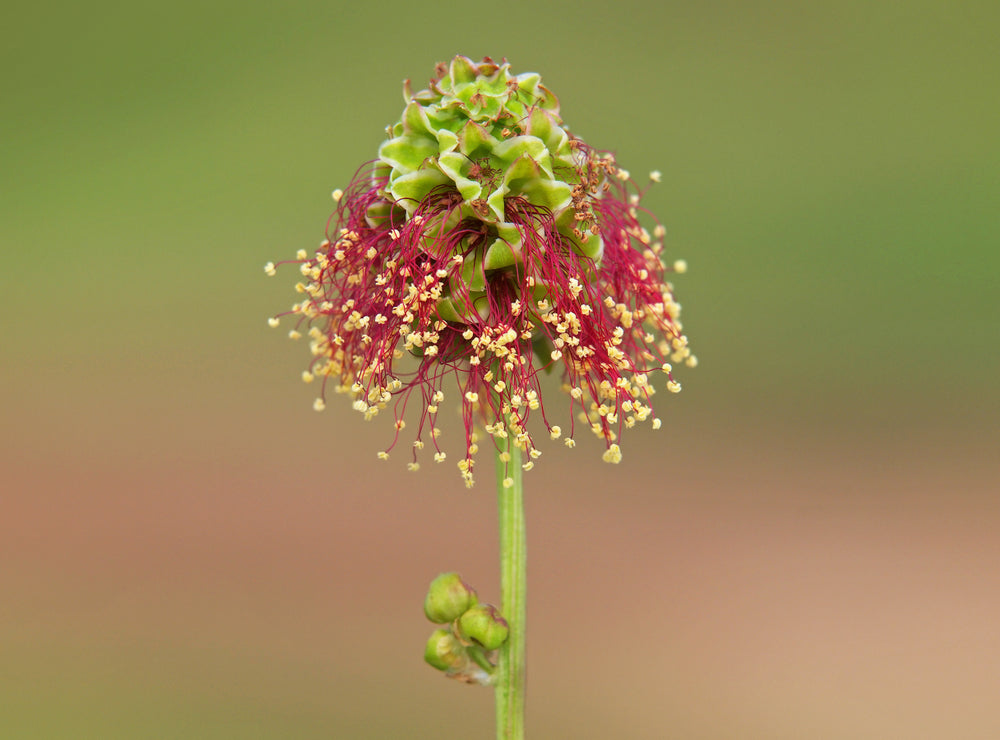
x=445, y=652
x=484, y=625
x=448, y=598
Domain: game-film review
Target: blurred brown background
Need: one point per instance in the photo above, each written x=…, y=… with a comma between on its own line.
x=808, y=549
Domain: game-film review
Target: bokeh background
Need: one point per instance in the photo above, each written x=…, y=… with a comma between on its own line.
x=810, y=547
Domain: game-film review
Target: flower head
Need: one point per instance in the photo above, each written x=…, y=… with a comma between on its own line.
x=486, y=247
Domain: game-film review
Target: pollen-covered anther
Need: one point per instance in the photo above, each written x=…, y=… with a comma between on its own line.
x=612, y=455
x=270, y=269
x=319, y=404
x=673, y=386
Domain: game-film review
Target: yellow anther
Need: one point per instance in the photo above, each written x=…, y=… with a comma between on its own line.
x=337, y=194
x=656, y=176
x=307, y=377
x=319, y=404
x=270, y=269
x=569, y=442
x=555, y=431
x=680, y=266
x=412, y=466
x=508, y=482
x=273, y=321
x=383, y=455
x=673, y=386
x=612, y=455
x=657, y=423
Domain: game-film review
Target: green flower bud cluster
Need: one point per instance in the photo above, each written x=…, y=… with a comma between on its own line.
x=470, y=630
x=492, y=136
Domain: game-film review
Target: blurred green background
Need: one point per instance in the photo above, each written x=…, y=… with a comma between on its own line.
x=808, y=549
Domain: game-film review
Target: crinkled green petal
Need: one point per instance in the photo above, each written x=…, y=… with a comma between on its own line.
x=502, y=254
x=415, y=120
x=473, y=273
x=456, y=166
x=476, y=141
x=408, y=152
x=412, y=188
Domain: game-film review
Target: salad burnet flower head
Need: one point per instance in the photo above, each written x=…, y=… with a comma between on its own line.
x=486, y=248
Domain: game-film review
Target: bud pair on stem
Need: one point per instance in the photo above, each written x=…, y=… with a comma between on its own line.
x=461, y=649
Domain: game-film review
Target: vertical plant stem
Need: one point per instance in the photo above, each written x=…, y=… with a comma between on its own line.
x=513, y=587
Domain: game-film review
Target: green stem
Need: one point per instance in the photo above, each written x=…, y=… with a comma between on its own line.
x=513, y=587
